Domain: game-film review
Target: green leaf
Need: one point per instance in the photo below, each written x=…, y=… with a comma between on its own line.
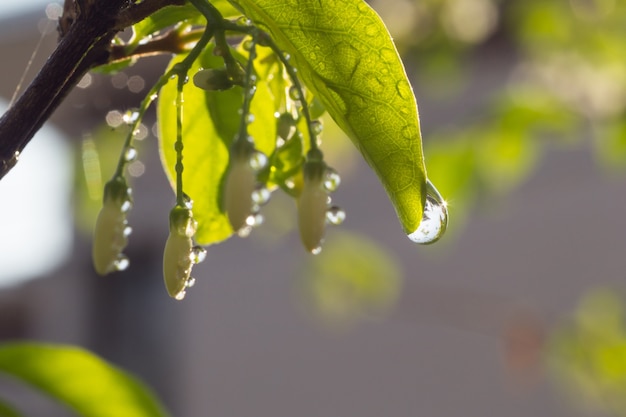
x=345, y=55
x=210, y=122
x=85, y=383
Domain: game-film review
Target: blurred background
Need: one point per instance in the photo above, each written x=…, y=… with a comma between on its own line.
x=517, y=311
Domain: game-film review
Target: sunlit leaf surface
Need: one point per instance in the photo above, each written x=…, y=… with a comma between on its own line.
x=345, y=55
x=78, y=379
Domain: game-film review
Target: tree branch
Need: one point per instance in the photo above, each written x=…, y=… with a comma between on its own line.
x=87, y=29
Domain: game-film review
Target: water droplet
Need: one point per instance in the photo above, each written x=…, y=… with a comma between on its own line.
x=198, y=254
x=403, y=89
x=130, y=116
x=252, y=90
x=249, y=118
x=407, y=132
x=316, y=127
x=387, y=55
x=294, y=93
x=190, y=282
x=126, y=206
x=331, y=180
x=127, y=231
x=180, y=296
x=130, y=154
x=255, y=220
x=121, y=263
x=435, y=219
x=258, y=161
x=154, y=96
x=261, y=196
x=335, y=215
x=188, y=201
x=316, y=251
x=286, y=56
x=244, y=231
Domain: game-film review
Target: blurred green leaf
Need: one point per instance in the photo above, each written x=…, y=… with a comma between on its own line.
x=210, y=122
x=80, y=380
x=345, y=55
x=352, y=277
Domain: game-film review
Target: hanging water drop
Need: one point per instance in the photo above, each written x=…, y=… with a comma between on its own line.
x=331, y=180
x=255, y=220
x=126, y=206
x=130, y=154
x=127, y=231
x=435, y=218
x=180, y=296
x=247, y=44
x=335, y=215
x=121, y=263
x=316, y=127
x=286, y=56
x=130, y=116
x=258, y=161
x=198, y=254
x=249, y=118
x=317, y=250
x=261, y=196
x=190, y=282
x=294, y=93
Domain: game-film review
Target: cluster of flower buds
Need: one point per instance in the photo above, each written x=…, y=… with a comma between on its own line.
x=180, y=253
x=112, y=230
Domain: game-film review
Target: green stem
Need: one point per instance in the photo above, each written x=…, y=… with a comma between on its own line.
x=180, y=196
x=249, y=86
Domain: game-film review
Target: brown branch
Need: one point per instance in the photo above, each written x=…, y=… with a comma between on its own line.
x=87, y=29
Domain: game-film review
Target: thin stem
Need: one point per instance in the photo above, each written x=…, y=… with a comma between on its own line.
x=249, y=87
x=180, y=196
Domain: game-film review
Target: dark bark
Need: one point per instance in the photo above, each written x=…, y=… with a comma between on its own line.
x=87, y=29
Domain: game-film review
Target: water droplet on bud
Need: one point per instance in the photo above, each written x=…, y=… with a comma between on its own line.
x=331, y=180
x=121, y=263
x=317, y=251
x=435, y=218
x=255, y=220
x=127, y=231
x=198, y=254
x=261, y=196
x=258, y=161
x=190, y=282
x=249, y=118
x=335, y=215
x=126, y=206
x=294, y=93
x=180, y=296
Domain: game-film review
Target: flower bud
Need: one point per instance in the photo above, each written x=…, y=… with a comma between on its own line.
x=179, y=255
x=312, y=206
x=112, y=230
x=213, y=79
x=240, y=185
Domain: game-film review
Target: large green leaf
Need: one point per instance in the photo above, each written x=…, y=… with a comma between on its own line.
x=345, y=55
x=210, y=122
x=85, y=383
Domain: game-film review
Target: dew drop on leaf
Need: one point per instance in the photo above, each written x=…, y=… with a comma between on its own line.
x=435, y=218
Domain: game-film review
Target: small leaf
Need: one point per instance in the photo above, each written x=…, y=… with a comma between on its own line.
x=345, y=55
x=210, y=122
x=80, y=380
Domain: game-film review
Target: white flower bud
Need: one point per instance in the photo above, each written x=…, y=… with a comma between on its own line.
x=240, y=185
x=312, y=207
x=179, y=255
x=112, y=230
